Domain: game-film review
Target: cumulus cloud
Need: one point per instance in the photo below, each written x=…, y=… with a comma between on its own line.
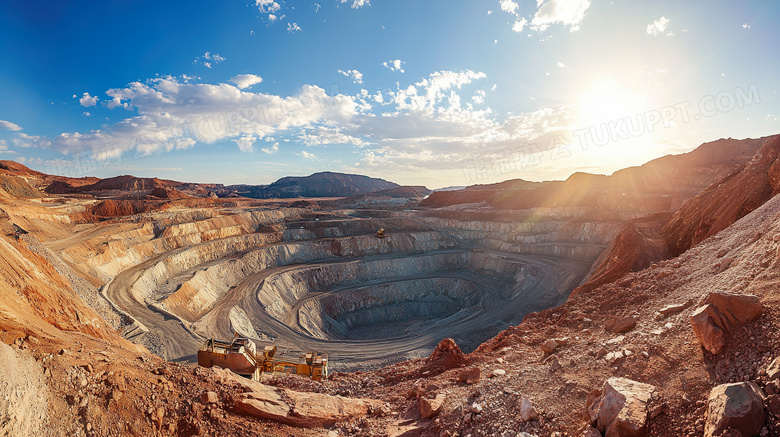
x=356, y=76
x=519, y=25
x=243, y=81
x=293, y=27
x=658, y=26
x=508, y=6
x=208, y=59
x=394, y=65
x=86, y=100
x=567, y=12
x=246, y=143
x=267, y=6
x=174, y=113
x=7, y=125
x=745, y=26
x=307, y=155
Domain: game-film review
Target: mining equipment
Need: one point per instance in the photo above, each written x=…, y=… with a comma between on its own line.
x=242, y=358
x=381, y=233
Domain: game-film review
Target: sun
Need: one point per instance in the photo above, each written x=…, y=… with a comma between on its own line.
x=607, y=101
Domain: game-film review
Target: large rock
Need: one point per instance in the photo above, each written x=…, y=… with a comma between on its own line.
x=447, y=355
x=431, y=407
x=549, y=346
x=721, y=313
x=470, y=375
x=527, y=410
x=621, y=410
x=309, y=410
x=738, y=406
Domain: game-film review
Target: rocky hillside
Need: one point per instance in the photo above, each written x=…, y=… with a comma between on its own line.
x=323, y=184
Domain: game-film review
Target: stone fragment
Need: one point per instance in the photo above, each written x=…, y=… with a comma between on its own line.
x=431, y=407
x=470, y=375
x=725, y=263
x=476, y=408
x=738, y=406
x=527, y=410
x=773, y=371
x=624, y=324
x=674, y=309
x=621, y=410
x=722, y=312
x=497, y=372
x=209, y=397
x=549, y=346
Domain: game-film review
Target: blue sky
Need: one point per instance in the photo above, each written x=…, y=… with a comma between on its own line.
x=418, y=92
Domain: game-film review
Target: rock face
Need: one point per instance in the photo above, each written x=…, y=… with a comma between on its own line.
x=738, y=406
x=721, y=313
x=621, y=410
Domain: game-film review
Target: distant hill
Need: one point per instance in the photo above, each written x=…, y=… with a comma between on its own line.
x=323, y=184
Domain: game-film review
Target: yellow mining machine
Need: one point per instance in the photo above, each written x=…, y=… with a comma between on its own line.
x=381, y=233
x=241, y=357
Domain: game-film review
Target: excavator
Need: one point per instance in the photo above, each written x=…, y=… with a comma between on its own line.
x=241, y=357
x=381, y=233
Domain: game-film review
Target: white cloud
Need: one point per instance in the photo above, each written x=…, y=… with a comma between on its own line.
x=271, y=150
x=293, y=27
x=356, y=76
x=307, y=155
x=208, y=59
x=175, y=114
x=267, y=6
x=357, y=4
x=86, y=114
x=323, y=135
x=566, y=12
x=7, y=125
x=561, y=64
x=490, y=12
x=519, y=24
x=479, y=97
x=508, y=6
x=394, y=65
x=243, y=81
x=745, y=26
x=658, y=26
x=86, y=100
x=246, y=143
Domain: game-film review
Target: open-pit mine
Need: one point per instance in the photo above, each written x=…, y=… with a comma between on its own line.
x=303, y=280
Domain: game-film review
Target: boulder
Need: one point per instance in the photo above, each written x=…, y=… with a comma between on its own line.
x=431, y=407
x=470, y=375
x=725, y=263
x=308, y=410
x=738, y=406
x=721, y=313
x=527, y=410
x=624, y=324
x=621, y=410
x=549, y=346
